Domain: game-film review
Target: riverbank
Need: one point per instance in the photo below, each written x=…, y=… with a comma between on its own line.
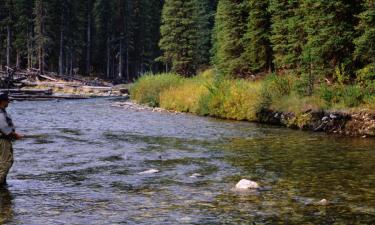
x=338, y=109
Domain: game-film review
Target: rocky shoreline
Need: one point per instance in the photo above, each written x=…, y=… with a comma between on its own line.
x=360, y=124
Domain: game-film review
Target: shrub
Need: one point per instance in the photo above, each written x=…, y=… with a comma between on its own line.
x=275, y=87
x=186, y=96
x=351, y=96
x=148, y=88
x=231, y=99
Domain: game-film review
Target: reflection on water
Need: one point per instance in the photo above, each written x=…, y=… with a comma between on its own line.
x=6, y=208
x=83, y=162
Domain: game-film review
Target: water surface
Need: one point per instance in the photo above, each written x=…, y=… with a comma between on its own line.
x=82, y=167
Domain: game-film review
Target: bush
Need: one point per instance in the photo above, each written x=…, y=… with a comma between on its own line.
x=148, y=88
x=351, y=96
x=231, y=99
x=275, y=87
x=186, y=96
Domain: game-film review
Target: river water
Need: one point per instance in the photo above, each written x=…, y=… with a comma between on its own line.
x=83, y=162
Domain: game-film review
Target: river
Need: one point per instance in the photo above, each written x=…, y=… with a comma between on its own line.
x=82, y=166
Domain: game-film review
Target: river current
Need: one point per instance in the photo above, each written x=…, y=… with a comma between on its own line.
x=83, y=159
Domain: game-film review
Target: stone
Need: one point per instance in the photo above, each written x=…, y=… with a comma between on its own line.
x=247, y=184
x=322, y=202
x=151, y=171
x=196, y=175
x=333, y=116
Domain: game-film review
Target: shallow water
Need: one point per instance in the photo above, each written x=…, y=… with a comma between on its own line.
x=83, y=162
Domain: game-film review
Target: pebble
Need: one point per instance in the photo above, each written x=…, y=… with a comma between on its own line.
x=196, y=175
x=247, y=184
x=322, y=202
x=151, y=171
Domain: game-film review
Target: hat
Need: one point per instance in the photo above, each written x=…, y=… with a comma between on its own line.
x=4, y=96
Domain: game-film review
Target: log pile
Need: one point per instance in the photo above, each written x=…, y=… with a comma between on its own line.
x=32, y=85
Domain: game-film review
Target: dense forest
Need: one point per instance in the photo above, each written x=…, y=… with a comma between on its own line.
x=122, y=39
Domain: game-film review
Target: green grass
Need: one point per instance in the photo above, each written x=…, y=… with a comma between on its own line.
x=240, y=99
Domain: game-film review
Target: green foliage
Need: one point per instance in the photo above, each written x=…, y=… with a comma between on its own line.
x=258, y=52
x=329, y=28
x=184, y=31
x=351, y=96
x=148, y=88
x=230, y=27
x=274, y=88
x=287, y=34
x=232, y=99
x=365, y=43
x=186, y=96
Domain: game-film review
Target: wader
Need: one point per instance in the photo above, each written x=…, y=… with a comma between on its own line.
x=6, y=158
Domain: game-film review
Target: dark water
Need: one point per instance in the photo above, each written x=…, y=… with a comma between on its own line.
x=83, y=165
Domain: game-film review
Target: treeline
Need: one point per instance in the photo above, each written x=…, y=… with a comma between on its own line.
x=117, y=39
x=121, y=39
x=313, y=39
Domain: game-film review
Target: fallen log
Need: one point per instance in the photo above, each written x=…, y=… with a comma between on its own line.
x=28, y=91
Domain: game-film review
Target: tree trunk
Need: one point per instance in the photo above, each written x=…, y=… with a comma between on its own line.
x=71, y=64
x=108, y=58
x=9, y=41
x=61, y=69
x=127, y=64
x=18, y=59
x=28, y=48
x=120, y=61
x=40, y=59
x=88, y=50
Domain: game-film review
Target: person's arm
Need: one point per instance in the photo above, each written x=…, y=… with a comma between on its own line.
x=6, y=130
x=15, y=136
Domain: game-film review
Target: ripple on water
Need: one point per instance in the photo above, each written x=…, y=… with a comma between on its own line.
x=86, y=170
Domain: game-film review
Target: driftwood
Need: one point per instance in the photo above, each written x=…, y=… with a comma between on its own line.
x=14, y=82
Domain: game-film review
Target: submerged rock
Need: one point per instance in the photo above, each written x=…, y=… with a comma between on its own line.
x=196, y=175
x=151, y=171
x=322, y=202
x=247, y=184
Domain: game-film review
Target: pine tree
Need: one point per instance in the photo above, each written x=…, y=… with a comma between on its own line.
x=329, y=28
x=103, y=21
x=183, y=30
x=23, y=31
x=287, y=34
x=365, y=43
x=42, y=38
x=230, y=27
x=258, y=51
x=202, y=16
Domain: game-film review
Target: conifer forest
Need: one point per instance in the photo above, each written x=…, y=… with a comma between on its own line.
x=121, y=39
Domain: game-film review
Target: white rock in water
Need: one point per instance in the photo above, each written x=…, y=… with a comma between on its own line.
x=247, y=184
x=151, y=171
x=196, y=175
x=322, y=202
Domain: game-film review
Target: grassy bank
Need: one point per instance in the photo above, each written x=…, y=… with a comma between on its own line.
x=242, y=99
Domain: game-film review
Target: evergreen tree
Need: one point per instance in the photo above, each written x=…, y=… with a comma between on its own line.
x=329, y=28
x=42, y=28
x=230, y=27
x=258, y=51
x=287, y=34
x=182, y=35
x=23, y=32
x=103, y=21
x=365, y=43
x=203, y=16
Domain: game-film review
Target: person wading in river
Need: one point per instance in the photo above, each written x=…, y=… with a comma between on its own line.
x=7, y=135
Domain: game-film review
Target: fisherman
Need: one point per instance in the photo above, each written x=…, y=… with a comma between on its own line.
x=7, y=135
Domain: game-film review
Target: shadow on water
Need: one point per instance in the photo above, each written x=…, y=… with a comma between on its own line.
x=6, y=205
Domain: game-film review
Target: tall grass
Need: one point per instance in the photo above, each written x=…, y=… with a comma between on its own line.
x=239, y=99
x=148, y=88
